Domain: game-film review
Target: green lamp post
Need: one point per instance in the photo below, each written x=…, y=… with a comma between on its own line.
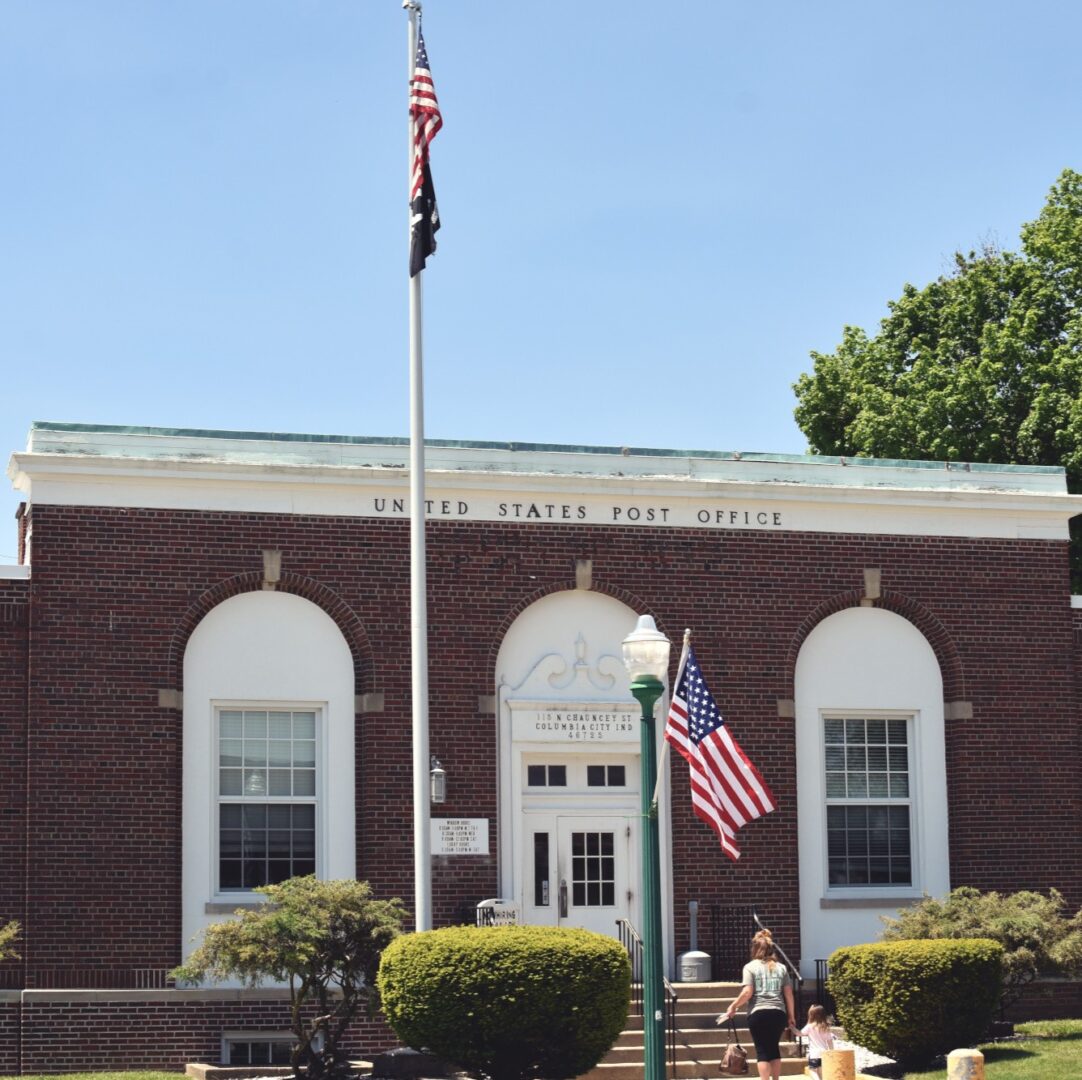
x=646, y=655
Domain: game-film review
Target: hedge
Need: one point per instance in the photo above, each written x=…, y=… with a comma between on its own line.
x=916, y=1000
x=511, y=1002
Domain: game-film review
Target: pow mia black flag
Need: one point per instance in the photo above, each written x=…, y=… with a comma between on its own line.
x=425, y=220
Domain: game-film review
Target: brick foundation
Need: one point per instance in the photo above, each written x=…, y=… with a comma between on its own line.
x=99, y=1031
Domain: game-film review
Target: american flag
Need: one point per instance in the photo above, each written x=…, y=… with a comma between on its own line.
x=726, y=789
x=426, y=120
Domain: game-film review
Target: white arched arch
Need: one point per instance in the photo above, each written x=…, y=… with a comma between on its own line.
x=866, y=665
x=564, y=705
x=269, y=651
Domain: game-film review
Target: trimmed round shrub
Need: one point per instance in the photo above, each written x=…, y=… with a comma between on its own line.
x=510, y=1001
x=916, y=1000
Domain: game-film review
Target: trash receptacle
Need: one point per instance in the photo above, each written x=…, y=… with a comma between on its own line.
x=693, y=967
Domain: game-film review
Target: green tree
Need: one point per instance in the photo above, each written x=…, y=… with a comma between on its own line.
x=984, y=364
x=8, y=935
x=325, y=939
x=1038, y=938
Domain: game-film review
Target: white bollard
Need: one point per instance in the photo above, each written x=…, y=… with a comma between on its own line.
x=839, y=1065
x=965, y=1065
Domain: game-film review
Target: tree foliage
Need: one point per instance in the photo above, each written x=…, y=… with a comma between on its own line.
x=325, y=939
x=9, y=933
x=984, y=364
x=1038, y=938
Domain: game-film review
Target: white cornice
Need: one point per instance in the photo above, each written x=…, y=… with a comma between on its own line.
x=479, y=488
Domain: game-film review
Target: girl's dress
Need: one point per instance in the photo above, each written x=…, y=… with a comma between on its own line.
x=819, y=1039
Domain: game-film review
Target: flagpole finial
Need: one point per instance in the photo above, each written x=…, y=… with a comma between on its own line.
x=412, y=5
x=687, y=635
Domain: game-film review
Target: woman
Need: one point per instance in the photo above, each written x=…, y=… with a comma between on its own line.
x=767, y=986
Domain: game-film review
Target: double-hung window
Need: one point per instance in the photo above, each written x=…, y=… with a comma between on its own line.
x=268, y=785
x=868, y=797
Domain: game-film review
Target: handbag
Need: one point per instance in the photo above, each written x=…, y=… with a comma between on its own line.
x=734, y=1061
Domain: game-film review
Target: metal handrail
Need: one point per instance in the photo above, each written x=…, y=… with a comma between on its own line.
x=822, y=994
x=629, y=938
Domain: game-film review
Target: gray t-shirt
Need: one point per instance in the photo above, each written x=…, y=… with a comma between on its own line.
x=766, y=984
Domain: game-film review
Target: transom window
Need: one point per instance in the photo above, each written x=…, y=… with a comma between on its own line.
x=605, y=776
x=579, y=773
x=267, y=786
x=868, y=801
x=546, y=775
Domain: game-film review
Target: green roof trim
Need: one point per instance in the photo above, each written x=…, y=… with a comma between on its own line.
x=523, y=447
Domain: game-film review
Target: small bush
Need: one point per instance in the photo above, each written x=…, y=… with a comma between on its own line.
x=915, y=1000
x=9, y=933
x=324, y=939
x=511, y=1002
x=1038, y=938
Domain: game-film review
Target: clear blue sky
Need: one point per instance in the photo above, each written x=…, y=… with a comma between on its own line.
x=652, y=212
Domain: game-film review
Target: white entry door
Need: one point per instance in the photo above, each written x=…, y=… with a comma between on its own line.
x=579, y=870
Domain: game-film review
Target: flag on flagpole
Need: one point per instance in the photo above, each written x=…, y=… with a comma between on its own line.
x=426, y=121
x=726, y=789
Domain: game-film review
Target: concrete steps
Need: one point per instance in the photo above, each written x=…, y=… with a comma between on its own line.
x=700, y=1043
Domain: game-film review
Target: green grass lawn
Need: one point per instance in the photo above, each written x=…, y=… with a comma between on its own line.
x=146, y=1074
x=1048, y=1050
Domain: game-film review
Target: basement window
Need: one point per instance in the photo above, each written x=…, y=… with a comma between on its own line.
x=258, y=1048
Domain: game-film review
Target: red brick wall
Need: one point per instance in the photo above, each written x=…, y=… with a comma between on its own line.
x=1051, y=999
x=92, y=1034
x=14, y=627
x=9, y=1038
x=115, y=591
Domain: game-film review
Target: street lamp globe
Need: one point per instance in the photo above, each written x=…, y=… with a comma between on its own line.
x=646, y=650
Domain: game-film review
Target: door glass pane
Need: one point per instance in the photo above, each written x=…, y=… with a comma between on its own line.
x=593, y=869
x=541, y=869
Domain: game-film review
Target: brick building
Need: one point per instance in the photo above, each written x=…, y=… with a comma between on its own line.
x=205, y=683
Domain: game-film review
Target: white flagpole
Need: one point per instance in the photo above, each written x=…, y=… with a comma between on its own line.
x=665, y=742
x=422, y=844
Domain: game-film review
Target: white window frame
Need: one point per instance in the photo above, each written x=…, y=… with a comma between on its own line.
x=230, y=1037
x=263, y=649
x=856, y=892
x=318, y=800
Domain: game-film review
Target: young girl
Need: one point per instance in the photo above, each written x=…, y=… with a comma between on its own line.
x=817, y=1032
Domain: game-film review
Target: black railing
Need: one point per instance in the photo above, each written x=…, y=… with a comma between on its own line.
x=629, y=938
x=92, y=978
x=822, y=994
x=731, y=931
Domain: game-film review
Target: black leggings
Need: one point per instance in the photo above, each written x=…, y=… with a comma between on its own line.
x=766, y=1027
